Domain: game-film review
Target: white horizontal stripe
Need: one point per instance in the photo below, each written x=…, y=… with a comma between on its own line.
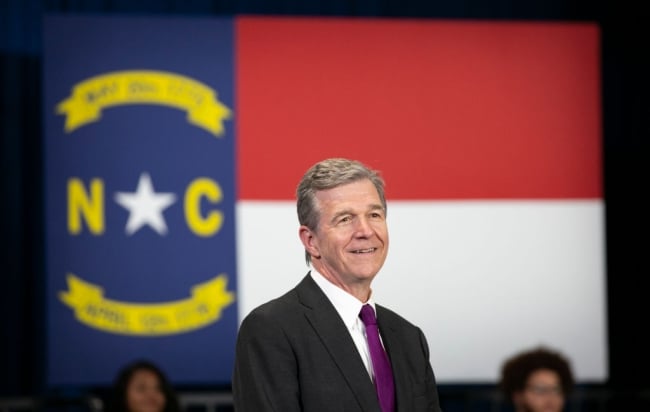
x=482, y=279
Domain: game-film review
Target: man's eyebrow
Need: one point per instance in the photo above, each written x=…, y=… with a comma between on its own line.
x=373, y=207
x=341, y=213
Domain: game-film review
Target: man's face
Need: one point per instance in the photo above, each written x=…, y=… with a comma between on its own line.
x=543, y=393
x=351, y=242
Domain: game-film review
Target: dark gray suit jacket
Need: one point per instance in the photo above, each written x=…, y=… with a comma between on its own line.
x=294, y=353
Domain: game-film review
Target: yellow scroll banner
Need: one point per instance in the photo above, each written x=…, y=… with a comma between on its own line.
x=204, y=307
x=92, y=95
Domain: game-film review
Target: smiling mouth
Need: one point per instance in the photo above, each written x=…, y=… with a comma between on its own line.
x=360, y=251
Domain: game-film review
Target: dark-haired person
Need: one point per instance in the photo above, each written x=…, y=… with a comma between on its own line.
x=141, y=386
x=537, y=380
x=316, y=348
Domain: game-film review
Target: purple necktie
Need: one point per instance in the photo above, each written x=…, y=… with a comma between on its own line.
x=380, y=362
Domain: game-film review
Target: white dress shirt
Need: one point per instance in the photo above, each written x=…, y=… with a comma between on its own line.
x=348, y=308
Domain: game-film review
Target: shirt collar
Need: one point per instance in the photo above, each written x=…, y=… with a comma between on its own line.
x=347, y=306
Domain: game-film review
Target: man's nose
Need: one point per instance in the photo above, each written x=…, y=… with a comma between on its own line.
x=363, y=227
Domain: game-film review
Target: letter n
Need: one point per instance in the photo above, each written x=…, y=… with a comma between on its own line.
x=81, y=205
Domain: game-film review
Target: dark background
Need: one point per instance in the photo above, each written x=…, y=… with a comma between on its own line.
x=625, y=41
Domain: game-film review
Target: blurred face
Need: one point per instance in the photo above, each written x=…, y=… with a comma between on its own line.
x=543, y=393
x=351, y=242
x=144, y=393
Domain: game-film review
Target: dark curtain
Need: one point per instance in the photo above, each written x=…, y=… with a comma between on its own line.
x=625, y=33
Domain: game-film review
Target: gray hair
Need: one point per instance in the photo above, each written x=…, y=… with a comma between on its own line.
x=328, y=174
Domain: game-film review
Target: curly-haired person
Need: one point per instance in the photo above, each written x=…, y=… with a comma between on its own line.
x=537, y=380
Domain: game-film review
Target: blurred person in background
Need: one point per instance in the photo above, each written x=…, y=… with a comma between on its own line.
x=141, y=386
x=537, y=380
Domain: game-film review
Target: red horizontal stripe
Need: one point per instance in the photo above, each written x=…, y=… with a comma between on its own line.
x=446, y=110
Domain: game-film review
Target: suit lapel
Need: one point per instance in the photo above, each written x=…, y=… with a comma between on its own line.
x=328, y=325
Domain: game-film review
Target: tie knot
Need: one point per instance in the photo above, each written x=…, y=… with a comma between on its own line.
x=367, y=315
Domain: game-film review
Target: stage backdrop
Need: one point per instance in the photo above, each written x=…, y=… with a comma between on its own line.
x=174, y=146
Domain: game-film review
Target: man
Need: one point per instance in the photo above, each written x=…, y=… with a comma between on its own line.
x=307, y=350
x=537, y=380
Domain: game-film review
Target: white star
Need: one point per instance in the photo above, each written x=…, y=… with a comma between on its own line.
x=145, y=206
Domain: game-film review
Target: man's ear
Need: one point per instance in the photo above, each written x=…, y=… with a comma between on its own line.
x=309, y=241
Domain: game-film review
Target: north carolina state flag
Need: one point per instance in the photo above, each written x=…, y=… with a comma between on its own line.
x=488, y=135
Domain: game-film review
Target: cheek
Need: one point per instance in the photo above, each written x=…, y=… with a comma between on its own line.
x=382, y=231
x=133, y=400
x=161, y=398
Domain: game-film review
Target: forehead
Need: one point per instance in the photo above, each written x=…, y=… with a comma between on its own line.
x=544, y=377
x=143, y=375
x=359, y=193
